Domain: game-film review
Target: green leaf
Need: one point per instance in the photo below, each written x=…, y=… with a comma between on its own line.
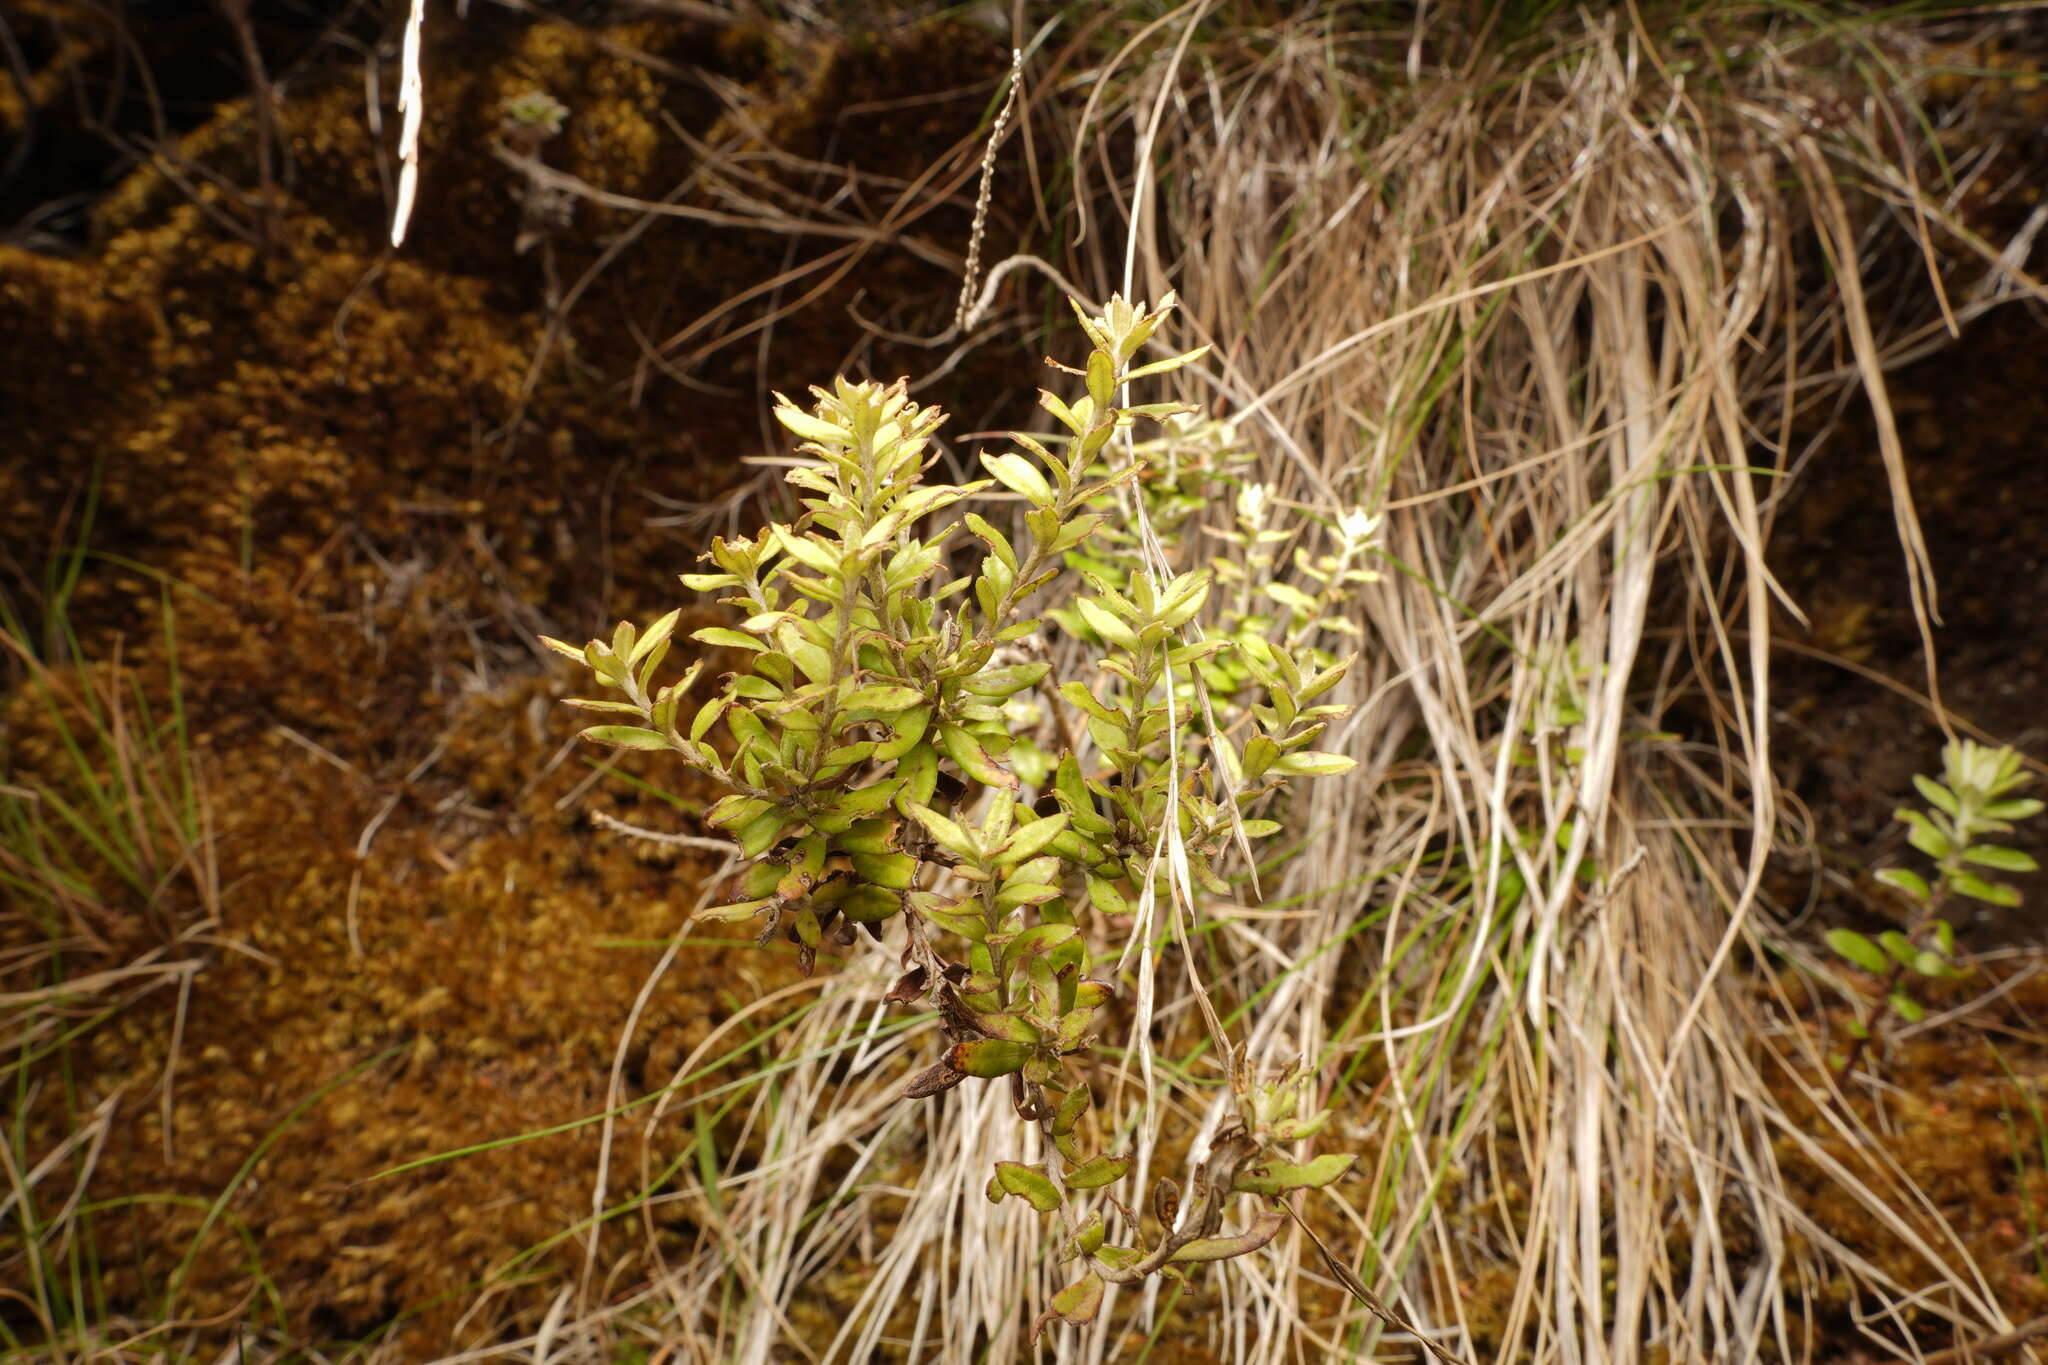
x=1028, y=1183
x=966, y=752
x=890, y=871
x=883, y=698
x=1322, y=682
x=1107, y=899
x=867, y=836
x=989, y=1057
x=1262, y=1231
x=730, y=639
x=1168, y=365
x=1078, y=1303
x=1899, y=946
x=1116, y=1257
x=655, y=636
x=1999, y=857
x=733, y=812
x=1937, y=796
x=1183, y=599
x=1072, y=1106
x=815, y=662
x=1016, y=893
x=998, y=543
x=907, y=728
x=1008, y=1026
x=619, y=708
x=1019, y=476
x=960, y=917
x=919, y=772
x=869, y=905
x=1101, y=376
x=626, y=737
x=1065, y=415
x=1924, y=835
x=2020, y=809
x=1077, y=692
x=808, y=427
x=707, y=716
x=1906, y=1007
x=1977, y=888
x=732, y=914
x=758, y=835
x=1314, y=764
x=1039, y=938
x=1857, y=949
x=1028, y=841
x=946, y=833
x=1106, y=625
x=1291, y=597
x=1003, y=682
x=1912, y=883
x=1279, y=1177
x=1098, y=1171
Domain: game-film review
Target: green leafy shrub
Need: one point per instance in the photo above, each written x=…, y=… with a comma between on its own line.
x=871, y=747
x=1972, y=801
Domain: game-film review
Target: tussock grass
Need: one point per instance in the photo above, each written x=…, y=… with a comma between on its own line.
x=1568, y=304
x=109, y=894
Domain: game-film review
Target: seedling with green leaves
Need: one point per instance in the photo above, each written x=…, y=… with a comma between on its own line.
x=1256, y=605
x=1972, y=802
x=873, y=774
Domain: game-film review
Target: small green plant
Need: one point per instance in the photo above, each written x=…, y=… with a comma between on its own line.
x=875, y=775
x=534, y=115
x=108, y=888
x=1972, y=802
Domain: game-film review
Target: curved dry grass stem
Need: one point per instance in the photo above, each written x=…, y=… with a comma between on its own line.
x=1541, y=305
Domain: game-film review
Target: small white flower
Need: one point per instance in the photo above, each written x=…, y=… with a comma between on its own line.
x=1252, y=501
x=1357, y=527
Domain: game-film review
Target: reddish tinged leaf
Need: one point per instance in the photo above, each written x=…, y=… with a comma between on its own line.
x=1078, y=1303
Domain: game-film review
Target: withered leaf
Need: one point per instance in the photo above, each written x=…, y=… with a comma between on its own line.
x=933, y=1081
x=908, y=988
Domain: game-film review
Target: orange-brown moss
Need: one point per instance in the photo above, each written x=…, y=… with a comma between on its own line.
x=1957, y=1114
x=481, y=920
